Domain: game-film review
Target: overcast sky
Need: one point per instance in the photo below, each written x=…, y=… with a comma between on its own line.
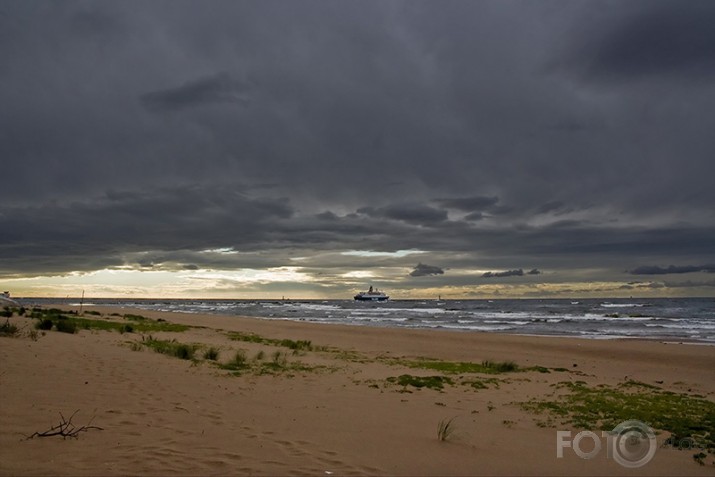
x=247, y=149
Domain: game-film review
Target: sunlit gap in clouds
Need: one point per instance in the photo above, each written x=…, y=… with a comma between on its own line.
x=370, y=253
x=221, y=251
x=156, y=283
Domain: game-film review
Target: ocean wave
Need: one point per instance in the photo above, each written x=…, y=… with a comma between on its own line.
x=686, y=319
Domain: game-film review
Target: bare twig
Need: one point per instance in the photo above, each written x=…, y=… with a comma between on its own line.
x=65, y=428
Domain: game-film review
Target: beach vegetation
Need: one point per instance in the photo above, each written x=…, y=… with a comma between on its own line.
x=295, y=345
x=8, y=311
x=482, y=383
x=51, y=317
x=237, y=363
x=92, y=312
x=279, y=363
x=184, y=351
x=458, y=367
x=64, y=325
x=211, y=353
x=239, y=359
x=248, y=337
x=274, y=367
x=684, y=416
x=132, y=317
x=350, y=355
x=44, y=324
x=8, y=329
x=279, y=358
x=637, y=385
x=445, y=429
x=500, y=366
x=432, y=382
x=171, y=348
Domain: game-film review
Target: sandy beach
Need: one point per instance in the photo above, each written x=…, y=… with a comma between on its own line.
x=333, y=407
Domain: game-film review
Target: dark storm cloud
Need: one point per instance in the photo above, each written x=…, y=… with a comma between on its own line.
x=656, y=270
x=486, y=135
x=507, y=273
x=691, y=284
x=186, y=218
x=669, y=39
x=423, y=270
x=220, y=88
x=510, y=273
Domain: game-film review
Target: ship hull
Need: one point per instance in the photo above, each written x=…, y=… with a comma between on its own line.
x=371, y=298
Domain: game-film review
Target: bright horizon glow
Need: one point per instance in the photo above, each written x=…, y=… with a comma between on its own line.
x=297, y=283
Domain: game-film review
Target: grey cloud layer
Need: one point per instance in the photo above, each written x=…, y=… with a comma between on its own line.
x=424, y=270
x=510, y=273
x=488, y=134
x=656, y=270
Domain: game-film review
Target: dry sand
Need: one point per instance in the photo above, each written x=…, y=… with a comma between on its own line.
x=164, y=416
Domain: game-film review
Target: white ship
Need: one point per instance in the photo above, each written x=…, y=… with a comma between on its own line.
x=372, y=295
x=5, y=300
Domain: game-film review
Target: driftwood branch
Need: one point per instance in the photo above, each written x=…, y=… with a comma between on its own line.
x=66, y=428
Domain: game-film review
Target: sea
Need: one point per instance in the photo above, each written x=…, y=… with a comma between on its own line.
x=668, y=319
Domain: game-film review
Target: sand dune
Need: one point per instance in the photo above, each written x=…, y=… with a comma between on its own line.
x=331, y=411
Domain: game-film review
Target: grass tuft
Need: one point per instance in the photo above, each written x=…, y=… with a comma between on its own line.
x=171, y=348
x=8, y=329
x=500, y=366
x=432, y=382
x=66, y=326
x=211, y=354
x=238, y=363
x=445, y=429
